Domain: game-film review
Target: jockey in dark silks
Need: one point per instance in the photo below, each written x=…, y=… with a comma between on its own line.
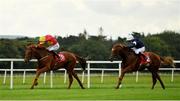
x=137, y=46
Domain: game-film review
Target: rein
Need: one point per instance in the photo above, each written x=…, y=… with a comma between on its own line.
x=43, y=58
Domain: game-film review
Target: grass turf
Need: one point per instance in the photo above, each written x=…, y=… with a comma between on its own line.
x=98, y=91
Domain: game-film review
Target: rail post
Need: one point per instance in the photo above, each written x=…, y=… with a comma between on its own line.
x=83, y=77
x=172, y=75
x=44, y=80
x=137, y=73
x=102, y=76
x=119, y=69
x=65, y=75
x=24, y=76
x=5, y=74
x=88, y=75
x=11, y=76
x=51, y=79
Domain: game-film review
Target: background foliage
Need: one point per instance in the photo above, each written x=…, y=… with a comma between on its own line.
x=97, y=47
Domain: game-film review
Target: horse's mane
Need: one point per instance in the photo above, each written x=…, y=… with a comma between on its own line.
x=120, y=45
x=35, y=46
x=125, y=49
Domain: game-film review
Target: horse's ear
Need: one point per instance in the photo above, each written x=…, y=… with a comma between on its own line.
x=122, y=45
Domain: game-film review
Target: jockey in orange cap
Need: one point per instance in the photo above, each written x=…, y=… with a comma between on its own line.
x=50, y=42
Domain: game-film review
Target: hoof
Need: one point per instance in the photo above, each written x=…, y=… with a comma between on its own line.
x=116, y=87
x=36, y=84
x=32, y=88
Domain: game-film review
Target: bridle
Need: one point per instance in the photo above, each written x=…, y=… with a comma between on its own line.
x=42, y=58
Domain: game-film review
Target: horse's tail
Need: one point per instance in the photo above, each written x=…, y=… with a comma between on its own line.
x=168, y=61
x=82, y=62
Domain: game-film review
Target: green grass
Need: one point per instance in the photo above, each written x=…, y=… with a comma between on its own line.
x=98, y=91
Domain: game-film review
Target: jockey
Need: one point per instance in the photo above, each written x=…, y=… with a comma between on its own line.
x=49, y=42
x=137, y=46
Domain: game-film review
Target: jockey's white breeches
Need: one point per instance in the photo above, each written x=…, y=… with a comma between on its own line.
x=138, y=50
x=53, y=47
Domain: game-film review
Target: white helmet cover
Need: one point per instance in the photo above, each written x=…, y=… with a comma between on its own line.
x=130, y=37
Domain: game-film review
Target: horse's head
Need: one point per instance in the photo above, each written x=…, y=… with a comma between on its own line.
x=34, y=51
x=116, y=51
x=28, y=53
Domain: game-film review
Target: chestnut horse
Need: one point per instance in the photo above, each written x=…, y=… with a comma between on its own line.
x=48, y=61
x=131, y=62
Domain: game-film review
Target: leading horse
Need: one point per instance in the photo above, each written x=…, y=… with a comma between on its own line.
x=131, y=62
x=48, y=61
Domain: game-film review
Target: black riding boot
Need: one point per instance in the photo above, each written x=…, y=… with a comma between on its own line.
x=55, y=54
x=146, y=58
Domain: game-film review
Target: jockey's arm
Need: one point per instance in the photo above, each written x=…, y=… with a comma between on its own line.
x=131, y=44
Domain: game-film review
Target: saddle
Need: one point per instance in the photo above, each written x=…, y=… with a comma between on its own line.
x=144, y=58
x=61, y=56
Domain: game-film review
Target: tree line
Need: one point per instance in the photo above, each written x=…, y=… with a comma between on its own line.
x=97, y=47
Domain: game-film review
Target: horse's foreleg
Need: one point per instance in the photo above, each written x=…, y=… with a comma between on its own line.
x=123, y=71
x=70, y=80
x=38, y=72
x=76, y=77
x=120, y=79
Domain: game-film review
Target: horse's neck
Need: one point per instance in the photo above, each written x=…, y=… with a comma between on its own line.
x=41, y=53
x=128, y=53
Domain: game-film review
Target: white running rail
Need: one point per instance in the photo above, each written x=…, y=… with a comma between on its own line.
x=88, y=71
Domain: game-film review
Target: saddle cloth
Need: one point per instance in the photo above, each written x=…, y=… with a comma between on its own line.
x=143, y=60
x=62, y=57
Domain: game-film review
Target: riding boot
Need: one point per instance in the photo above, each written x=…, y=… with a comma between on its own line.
x=145, y=57
x=55, y=54
x=140, y=65
x=147, y=63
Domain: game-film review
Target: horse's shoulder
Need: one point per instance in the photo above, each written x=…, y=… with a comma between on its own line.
x=120, y=44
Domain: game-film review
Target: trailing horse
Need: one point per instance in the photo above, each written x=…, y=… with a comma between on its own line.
x=48, y=61
x=131, y=62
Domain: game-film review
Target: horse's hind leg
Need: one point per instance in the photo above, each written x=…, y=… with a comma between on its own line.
x=154, y=80
x=161, y=82
x=70, y=79
x=76, y=77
